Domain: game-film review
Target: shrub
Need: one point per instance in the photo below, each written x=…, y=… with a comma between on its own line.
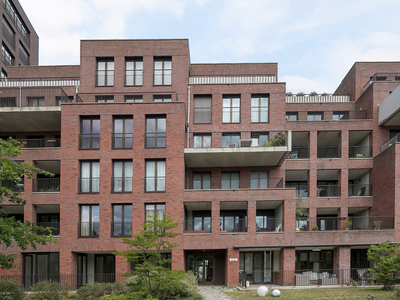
x=11, y=290
x=49, y=290
x=132, y=296
x=96, y=290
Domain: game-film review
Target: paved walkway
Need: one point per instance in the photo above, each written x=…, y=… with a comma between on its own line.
x=215, y=292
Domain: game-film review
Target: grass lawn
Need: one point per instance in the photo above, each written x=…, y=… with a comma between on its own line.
x=319, y=293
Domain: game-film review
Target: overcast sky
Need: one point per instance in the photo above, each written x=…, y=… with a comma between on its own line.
x=314, y=42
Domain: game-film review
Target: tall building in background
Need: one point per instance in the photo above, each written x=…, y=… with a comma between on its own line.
x=136, y=130
x=19, y=41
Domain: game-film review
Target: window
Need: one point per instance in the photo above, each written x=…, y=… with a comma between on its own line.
x=233, y=221
x=202, y=111
x=6, y=56
x=231, y=109
x=155, y=176
x=201, y=180
x=105, y=99
x=162, y=98
x=23, y=55
x=265, y=220
x=230, y=180
x=156, y=127
x=105, y=72
x=90, y=174
x=122, y=176
x=155, y=212
x=162, y=70
x=8, y=33
x=315, y=116
x=133, y=98
x=104, y=268
x=123, y=132
x=122, y=220
x=7, y=102
x=3, y=75
x=35, y=101
x=340, y=115
x=202, y=140
x=202, y=220
x=259, y=179
x=40, y=267
x=89, y=224
x=230, y=139
x=64, y=99
x=90, y=133
x=48, y=220
x=259, y=108
x=259, y=138
x=291, y=116
x=133, y=71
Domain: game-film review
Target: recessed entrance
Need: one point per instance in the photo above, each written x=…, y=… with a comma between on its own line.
x=207, y=266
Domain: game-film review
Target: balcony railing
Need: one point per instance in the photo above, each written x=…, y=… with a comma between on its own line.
x=382, y=77
x=89, y=185
x=18, y=188
x=40, y=143
x=122, y=184
x=360, y=151
x=328, y=190
x=301, y=190
x=357, y=190
x=351, y=223
x=233, y=183
x=232, y=224
x=155, y=139
x=89, y=229
x=54, y=225
x=328, y=152
x=198, y=225
x=392, y=141
x=89, y=141
x=264, y=224
x=121, y=228
x=46, y=185
x=122, y=140
x=133, y=77
x=299, y=152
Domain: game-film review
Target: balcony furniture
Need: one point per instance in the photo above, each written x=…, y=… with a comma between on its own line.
x=278, y=228
x=361, y=192
x=245, y=143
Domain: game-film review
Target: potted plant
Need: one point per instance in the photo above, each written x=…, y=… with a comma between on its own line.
x=347, y=224
x=376, y=224
x=314, y=228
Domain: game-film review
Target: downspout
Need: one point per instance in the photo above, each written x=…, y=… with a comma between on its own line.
x=188, y=132
x=20, y=96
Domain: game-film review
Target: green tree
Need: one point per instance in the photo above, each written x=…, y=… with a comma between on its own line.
x=13, y=232
x=386, y=260
x=151, y=272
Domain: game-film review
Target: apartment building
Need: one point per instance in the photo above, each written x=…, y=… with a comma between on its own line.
x=136, y=130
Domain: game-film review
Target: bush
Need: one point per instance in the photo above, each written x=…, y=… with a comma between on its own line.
x=49, y=290
x=96, y=290
x=11, y=290
x=132, y=296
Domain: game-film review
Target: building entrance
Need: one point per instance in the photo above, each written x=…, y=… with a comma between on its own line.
x=202, y=265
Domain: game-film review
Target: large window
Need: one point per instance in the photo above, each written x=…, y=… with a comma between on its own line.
x=40, y=267
x=202, y=140
x=23, y=55
x=202, y=111
x=35, y=101
x=259, y=179
x=133, y=71
x=105, y=72
x=259, y=108
x=259, y=138
x=155, y=176
x=89, y=224
x=231, y=109
x=90, y=133
x=8, y=33
x=122, y=220
x=6, y=56
x=90, y=175
x=201, y=180
x=162, y=70
x=123, y=132
x=155, y=211
x=230, y=180
x=230, y=139
x=122, y=176
x=340, y=115
x=156, y=127
x=104, y=268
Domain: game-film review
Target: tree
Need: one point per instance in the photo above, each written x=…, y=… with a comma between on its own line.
x=386, y=260
x=151, y=271
x=13, y=231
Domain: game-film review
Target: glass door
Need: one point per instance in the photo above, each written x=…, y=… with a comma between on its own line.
x=28, y=270
x=202, y=266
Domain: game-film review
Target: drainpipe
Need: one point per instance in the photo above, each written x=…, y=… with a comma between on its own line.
x=20, y=96
x=188, y=118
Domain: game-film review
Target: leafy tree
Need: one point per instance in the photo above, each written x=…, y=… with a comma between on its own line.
x=151, y=272
x=386, y=260
x=12, y=231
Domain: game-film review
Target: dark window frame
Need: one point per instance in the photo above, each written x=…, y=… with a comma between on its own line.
x=124, y=179
x=126, y=137
x=232, y=110
x=105, y=77
x=136, y=72
x=165, y=72
x=92, y=230
x=258, y=109
x=90, y=178
x=156, y=135
x=123, y=222
x=156, y=177
x=90, y=136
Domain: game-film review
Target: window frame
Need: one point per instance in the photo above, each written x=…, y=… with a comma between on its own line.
x=136, y=71
x=109, y=68
x=124, y=180
x=202, y=180
x=204, y=143
x=315, y=114
x=165, y=72
x=257, y=110
x=262, y=175
x=162, y=98
x=158, y=135
x=201, y=109
x=123, y=230
x=104, y=98
x=36, y=101
x=90, y=178
x=258, y=135
x=157, y=179
x=125, y=136
x=91, y=231
x=91, y=136
x=133, y=98
x=340, y=115
x=230, y=110
x=230, y=134
x=289, y=116
x=231, y=180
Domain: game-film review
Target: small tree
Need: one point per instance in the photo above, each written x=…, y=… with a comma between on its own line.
x=301, y=211
x=386, y=260
x=151, y=273
x=279, y=139
x=12, y=172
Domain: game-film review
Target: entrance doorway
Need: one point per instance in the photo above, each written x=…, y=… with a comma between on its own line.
x=202, y=265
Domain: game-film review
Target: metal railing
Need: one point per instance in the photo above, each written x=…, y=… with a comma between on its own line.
x=345, y=223
x=371, y=223
x=328, y=190
x=14, y=187
x=122, y=184
x=155, y=139
x=382, y=77
x=104, y=77
x=360, y=151
x=46, y=185
x=88, y=185
x=299, y=152
x=54, y=225
x=122, y=140
x=233, y=183
x=357, y=190
x=198, y=225
x=121, y=228
x=264, y=224
x=301, y=190
x=233, y=224
x=40, y=143
x=328, y=152
x=89, y=141
x=89, y=229
x=392, y=141
x=13, y=14
x=133, y=77
x=8, y=102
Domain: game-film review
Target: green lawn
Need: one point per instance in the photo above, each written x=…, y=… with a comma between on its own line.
x=319, y=293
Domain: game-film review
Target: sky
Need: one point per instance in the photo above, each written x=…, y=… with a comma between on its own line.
x=314, y=42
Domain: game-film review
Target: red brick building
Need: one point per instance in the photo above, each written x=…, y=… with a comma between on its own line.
x=137, y=130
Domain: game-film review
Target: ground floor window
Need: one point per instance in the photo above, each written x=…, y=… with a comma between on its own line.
x=258, y=266
x=40, y=267
x=314, y=260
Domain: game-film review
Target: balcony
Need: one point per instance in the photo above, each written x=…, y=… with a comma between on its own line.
x=389, y=109
x=299, y=152
x=359, y=190
x=332, y=190
x=233, y=183
x=198, y=225
x=14, y=187
x=316, y=98
x=269, y=224
x=40, y=143
x=351, y=223
x=238, y=152
x=233, y=224
x=392, y=141
x=46, y=185
x=54, y=231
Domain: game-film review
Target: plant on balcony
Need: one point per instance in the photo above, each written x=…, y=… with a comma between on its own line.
x=300, y=94
x=313, y=93
x=324, y=94
x=13, y=232
x=314, y=228
x=289, y=94
x=278, y=140
x=347, y=224
x=376, y=224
